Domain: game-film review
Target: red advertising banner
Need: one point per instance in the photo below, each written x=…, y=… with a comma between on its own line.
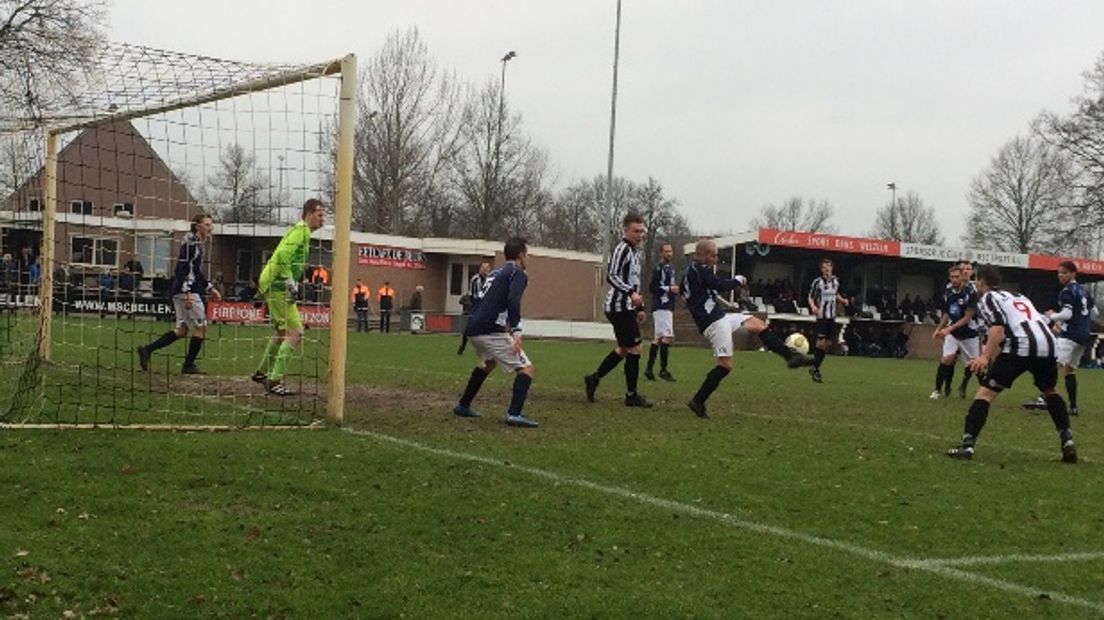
x=235, y=312
x=829, y=243
x=253, y=314
x=389, y=256
x=1086, y=266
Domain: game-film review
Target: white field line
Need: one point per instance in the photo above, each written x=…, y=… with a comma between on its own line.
x=727, y=519
x=977, y=560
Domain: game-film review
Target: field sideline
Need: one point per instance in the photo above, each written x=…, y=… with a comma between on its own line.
x=796, y=499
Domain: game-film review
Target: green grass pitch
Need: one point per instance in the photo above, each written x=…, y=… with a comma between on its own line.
x=794, y=500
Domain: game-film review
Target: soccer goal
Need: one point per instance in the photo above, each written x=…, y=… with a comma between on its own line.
x=106, y=182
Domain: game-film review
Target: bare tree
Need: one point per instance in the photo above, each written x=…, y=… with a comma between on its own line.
x=18, y=160
x=406, y=138
x=797, y=214
x=907, y=220
x=1080, y=137
x=661, y=216
x=240, y=189
x=43, y=45
x=575, y=220
x=1018, y=203
x=498, y=170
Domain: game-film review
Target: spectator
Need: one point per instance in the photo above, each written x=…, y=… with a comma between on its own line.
x=905, y=307
x=919, y=309
x=62, y=276
x=386, y=296
x=360, y=296
x=161, y=285
x=131, y=276
x=9, y=272
x=106, y=281
x=319, y=281
x=249, y=291
x=26, y=259
x=34, y=273
x=415, y=304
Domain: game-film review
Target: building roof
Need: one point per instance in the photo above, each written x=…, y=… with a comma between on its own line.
x=822, y=242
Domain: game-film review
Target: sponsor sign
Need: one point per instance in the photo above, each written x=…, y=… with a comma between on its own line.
x=248, y=313
x=160, y=307
x=390, y=256
x=950, y=255
x=829, y=243
x=235, y=312
x=1085, y=266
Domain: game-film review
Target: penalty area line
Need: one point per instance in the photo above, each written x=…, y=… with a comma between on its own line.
x=744, y=524
x=1012, y=558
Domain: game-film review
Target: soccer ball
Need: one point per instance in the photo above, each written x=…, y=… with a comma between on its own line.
x=798, y=342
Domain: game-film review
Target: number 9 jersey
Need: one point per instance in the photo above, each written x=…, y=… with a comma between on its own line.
x=1026, y=330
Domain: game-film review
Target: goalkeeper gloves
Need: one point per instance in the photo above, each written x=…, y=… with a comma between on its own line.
x=291, y=286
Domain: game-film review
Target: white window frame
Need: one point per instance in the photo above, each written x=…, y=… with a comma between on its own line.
x=34, y=204
x=81, y=203
x=96, y=241
x=150, y=262
x=122, y=206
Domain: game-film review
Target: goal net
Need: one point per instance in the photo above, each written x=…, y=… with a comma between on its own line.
x=102, y=187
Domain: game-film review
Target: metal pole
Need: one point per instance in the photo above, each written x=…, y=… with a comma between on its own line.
x=49, y=218
x=343, y=217
x=613, y=127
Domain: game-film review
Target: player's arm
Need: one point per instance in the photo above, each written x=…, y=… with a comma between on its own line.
x=183, y=272
x=992, y=349
x=513, y=306
x=965, y=320
x=813, y=308
x=613, y=275
x=711, y=281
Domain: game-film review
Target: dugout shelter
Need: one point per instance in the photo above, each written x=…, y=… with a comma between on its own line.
x=877, y=274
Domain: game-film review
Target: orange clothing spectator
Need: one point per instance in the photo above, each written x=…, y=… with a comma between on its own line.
x=360, y=288
x=386, y=303
x=360, y=296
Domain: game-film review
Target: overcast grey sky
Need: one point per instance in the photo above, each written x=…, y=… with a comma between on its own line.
x=731, y=105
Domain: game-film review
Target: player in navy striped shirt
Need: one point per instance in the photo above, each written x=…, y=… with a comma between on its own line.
x=1019, y=341
x=188, y=287
x=1073, y=325
x=664, y=289
x=625, y=311
x=494, y=330
x=700, y=287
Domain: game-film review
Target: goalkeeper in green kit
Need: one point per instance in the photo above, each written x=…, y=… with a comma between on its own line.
x=279, y=283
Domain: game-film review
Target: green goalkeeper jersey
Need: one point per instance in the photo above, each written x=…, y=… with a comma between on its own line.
x=288, y=261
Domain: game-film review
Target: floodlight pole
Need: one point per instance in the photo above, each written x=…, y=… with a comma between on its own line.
x=613, y=127
x=343, y=219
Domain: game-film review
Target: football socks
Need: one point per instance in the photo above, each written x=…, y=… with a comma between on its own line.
x=975, y=420
x=609, y=363
x=1056, y=407
x=663, y=347
x=521, y=390
x=1071, y=389
x=632, y=372
x=194, y=345
x=475, y=382
x=712, y=379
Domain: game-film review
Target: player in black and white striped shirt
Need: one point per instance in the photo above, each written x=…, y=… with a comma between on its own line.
x=824, y=296
x=1019, y=341
x=625, y=311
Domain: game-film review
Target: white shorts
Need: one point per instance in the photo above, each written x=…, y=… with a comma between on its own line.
x=1068, y=352
x=719, y=333
x=196, y=316
x=499, y=348
x=664, y=321
x=967, y=349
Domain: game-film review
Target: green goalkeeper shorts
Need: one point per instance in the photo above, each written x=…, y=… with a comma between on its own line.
x=282, y=311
